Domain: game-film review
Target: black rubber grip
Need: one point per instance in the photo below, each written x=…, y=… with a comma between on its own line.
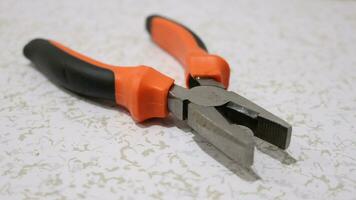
x=196, y=37
x=69, y=71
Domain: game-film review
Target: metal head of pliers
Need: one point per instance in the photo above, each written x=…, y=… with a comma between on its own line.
x=227, y=120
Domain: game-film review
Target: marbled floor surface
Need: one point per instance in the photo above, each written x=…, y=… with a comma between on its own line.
x=295, y=58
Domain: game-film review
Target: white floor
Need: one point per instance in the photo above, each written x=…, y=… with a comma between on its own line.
x=295, y=58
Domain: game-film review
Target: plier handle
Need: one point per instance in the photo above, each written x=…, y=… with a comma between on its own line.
x=225, y=119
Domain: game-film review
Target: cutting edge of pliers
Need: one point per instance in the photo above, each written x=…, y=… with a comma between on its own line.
x=224, y=118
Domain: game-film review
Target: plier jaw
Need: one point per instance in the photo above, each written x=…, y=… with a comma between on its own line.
x=262, y=123
x=227, y=120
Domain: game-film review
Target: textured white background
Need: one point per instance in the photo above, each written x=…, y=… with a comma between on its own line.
x=295, y=58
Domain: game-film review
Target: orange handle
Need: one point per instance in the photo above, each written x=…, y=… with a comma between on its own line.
x=188, y=49
x=142, y=90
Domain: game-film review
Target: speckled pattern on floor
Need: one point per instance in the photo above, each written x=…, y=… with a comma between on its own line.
x=296, y=58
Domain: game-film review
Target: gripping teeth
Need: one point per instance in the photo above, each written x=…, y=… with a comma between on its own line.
x=263, y=124
x=273, y=133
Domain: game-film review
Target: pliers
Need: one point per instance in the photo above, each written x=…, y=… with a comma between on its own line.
x=225, y=119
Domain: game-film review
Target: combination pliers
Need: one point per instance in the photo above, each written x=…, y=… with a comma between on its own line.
x=225, y=119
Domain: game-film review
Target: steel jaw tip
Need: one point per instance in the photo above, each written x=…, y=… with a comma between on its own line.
x=263, y=124
x=234, y=140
